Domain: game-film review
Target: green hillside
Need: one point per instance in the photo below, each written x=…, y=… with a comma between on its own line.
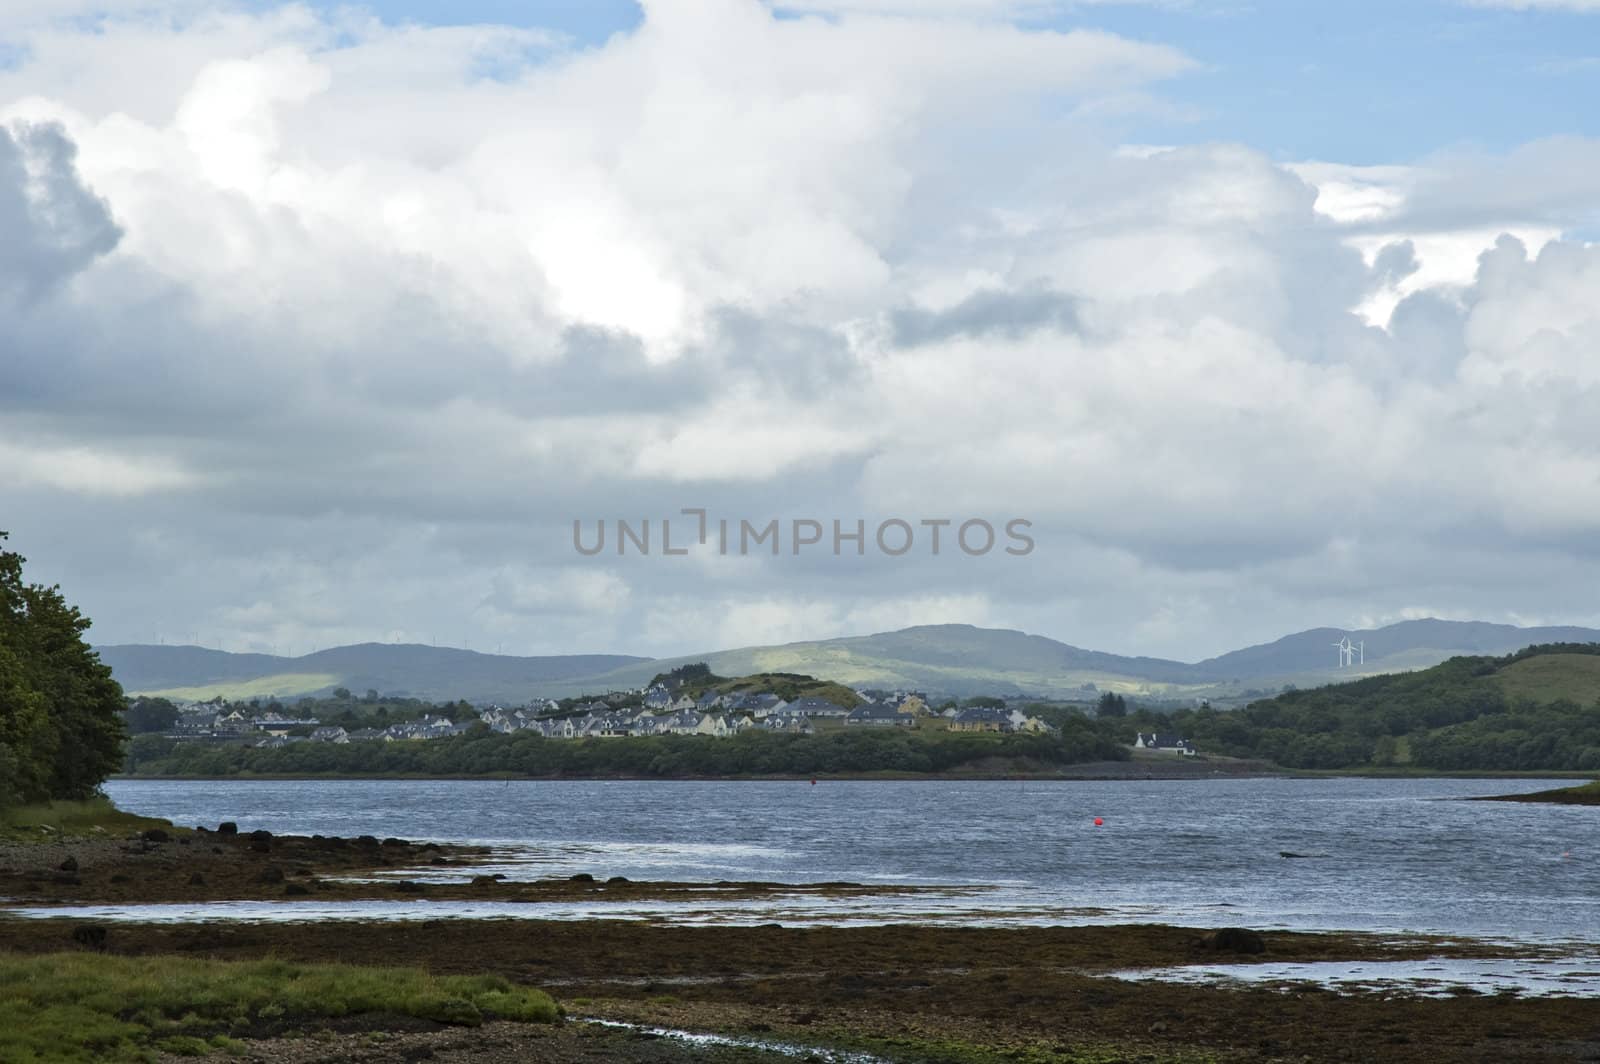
x=1537, y=709
x=1549, y=677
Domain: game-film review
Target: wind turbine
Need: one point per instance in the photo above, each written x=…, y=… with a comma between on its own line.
x=1346, y=651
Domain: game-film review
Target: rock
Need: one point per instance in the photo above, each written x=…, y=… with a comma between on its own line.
x=182, y=841
x=270, y=874
x=69, y=865
x=227, y=827
x=156, y=835
x=366, y=840
x=581, y=877
x=440, y=861
x=90, y=936
x=618, y=879
x=395, y=842
x=216, y=849
x=260, y=846
x=196, y=879
x=1159, y=1027
x=485, y=881
x=295, y=890
x=261, y=835
x=1234, y=940
x=406, y=886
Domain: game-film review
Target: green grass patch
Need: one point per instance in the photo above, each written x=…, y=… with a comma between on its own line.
x=1543, y=679
x=90, y=817
x=278, y=685
x=82, y=1007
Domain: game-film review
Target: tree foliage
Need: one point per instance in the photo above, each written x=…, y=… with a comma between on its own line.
x=481, y=752
x=1452, y=717
x=61, y=728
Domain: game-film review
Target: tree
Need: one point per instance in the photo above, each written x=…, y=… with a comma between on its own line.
x=1112, y=705
x=146, y=715
x=61, y=728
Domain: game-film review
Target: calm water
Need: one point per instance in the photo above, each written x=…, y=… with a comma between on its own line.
x=1395, y=855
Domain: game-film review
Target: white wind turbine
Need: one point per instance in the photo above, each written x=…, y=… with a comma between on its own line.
x=1346, y=651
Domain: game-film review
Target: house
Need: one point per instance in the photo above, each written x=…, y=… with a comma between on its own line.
x=876, y=714
x=684, y=722
x=785, y=724
x=757, y=706
x=657, y=697
x=815, y=707
x=713, y=724
x=709, y=701
x=681, y=704
x=1174, y=744
x=981, y=720
x=365, y=735
x=1021, y=722
x=330, y=735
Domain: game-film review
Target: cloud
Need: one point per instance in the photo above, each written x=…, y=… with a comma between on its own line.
x=53, y=226
x=323, y=329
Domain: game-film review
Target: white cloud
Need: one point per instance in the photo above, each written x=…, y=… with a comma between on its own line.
x=389, y=307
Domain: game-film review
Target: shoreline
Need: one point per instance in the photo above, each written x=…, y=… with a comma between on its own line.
x=949, y=992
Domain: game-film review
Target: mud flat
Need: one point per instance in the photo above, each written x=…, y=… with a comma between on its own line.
x=898, y=992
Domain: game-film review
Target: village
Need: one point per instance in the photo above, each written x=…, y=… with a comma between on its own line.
x=653, y=711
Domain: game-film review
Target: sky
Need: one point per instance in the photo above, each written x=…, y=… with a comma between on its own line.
x=324, y=324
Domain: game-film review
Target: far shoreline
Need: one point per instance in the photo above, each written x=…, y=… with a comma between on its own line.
x=1087, y=774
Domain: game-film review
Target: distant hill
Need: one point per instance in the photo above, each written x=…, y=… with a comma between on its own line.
x=1395, y=648
x=943, y=659
x=1535, y=709
x=435, y=673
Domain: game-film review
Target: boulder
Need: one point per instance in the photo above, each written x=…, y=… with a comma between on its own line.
x=69, y=865
x=227, y=827
x=295, y=890
x=156, y=835
x=196, y=879
x=270, y=874
x=581, y=877
x=1234, y=940
x=90, y=936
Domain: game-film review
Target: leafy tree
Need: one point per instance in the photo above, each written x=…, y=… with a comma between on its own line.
x=61, y=728
x=150, y=715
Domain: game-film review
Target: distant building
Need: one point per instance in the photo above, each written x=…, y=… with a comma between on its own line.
x=1168, y=743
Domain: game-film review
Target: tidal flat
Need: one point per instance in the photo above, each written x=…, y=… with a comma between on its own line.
x=891, y=992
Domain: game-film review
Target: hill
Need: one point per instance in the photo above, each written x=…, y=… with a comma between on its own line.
x=1537, y=709
x=1394, y=648
x=408, y=669
x=943, y=659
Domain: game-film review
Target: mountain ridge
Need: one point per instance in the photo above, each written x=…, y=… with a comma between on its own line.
x=948, y=659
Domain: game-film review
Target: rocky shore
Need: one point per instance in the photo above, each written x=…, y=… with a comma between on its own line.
x=894, y=992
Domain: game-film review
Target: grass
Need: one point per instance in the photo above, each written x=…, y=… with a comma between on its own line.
x=83, y=1006
x=1551, y=676
x=95, y=816
x=1584, y=794
x=278, y=685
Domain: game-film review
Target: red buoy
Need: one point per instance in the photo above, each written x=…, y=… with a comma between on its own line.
x=1098, y=821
